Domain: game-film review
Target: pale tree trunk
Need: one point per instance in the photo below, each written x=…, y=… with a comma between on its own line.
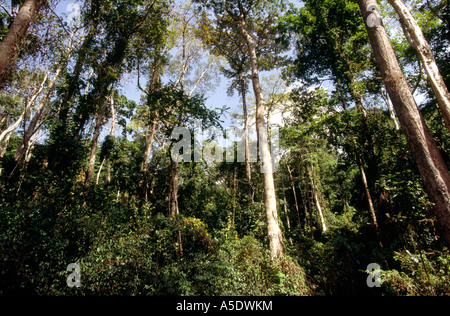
x=319, y=209
x=418, y=41
x=273, y=229
x=10, y=45
x=430, y=163
x=316, y=199
x=6, y=134
x=37, y=117
x=31, y=129
x=99, y=171
x=149, y=137
x=391, y=109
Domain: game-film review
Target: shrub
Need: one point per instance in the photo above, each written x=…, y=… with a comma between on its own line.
x=420, y=274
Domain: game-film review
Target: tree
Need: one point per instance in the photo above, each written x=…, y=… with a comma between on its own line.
x=227, y=42
x=248, y=17
x=427, y=156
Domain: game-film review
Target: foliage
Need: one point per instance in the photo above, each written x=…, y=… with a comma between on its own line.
x=419, y=274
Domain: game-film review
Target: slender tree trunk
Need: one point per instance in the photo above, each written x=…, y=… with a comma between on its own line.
x=234, y=194
x=112, y=132
x=151, y=129
x=273, y=229
x=95, y=138
x=150, y=135
x=286, y=213
x=10, y=45
x=360, y=106
x=425, y=151
x=99, y=171
x=5, y=135
x=248, y=173
x=390, y=108
x=319, y=209
x=173, y=197
x=294, y=192
x=308, y=204
x=31, y=129
x=418, y=41
x=369, y=200
x=316, y=199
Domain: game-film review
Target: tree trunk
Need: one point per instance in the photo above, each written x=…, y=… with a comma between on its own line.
x=308, y=204
x=100, y=171
x=273, y=229
x=316, y=199
x=173, y=196
x=425, y=151
x=294, y=192
x=5, y=135
x=95, y=138
x=31, y=129
x=367, y=192
x=286, y=213
x=10, y=45
x=418, y=41
x=248, y=173
x=151, y=129
x=390, y=108
x=112, y=132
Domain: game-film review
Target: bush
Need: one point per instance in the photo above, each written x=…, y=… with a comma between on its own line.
x=246, y=270
x=420, y=274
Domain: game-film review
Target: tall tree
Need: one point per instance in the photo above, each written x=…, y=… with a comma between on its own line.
x=248, y=17
x=426, y=153
x=228, y=43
